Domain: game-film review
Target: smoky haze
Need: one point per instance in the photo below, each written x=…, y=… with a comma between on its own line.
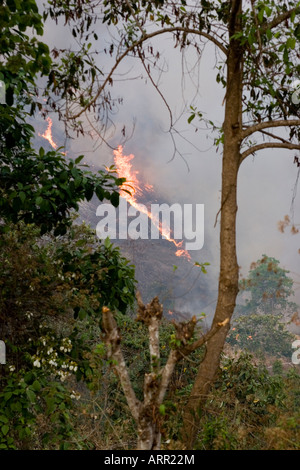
x=193, y=173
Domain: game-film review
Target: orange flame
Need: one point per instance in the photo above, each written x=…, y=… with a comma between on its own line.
x=48, y=134
x=132, y=184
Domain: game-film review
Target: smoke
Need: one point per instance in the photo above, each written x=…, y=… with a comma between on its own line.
x=184, y=167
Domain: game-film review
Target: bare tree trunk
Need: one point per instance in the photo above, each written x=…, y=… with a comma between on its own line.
x=147, y=413
x=228, y=279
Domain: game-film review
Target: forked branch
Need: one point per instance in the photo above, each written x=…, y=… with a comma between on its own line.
x=156, y=382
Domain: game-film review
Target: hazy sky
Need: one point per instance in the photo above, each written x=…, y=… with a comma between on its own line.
x=266, y=182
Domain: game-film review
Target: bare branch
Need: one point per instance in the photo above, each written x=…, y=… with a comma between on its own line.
x=151, y=315
x=268, y=124
x=185, y=329
x=269, y=134
x=156, y=88
x=197, y=344
x=167, y=374
x=137, y=43
x=112, y=339
x=266, y=145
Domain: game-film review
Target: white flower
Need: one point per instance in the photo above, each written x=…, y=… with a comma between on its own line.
x=37, y=363
x=75, y=395
x=11, y=368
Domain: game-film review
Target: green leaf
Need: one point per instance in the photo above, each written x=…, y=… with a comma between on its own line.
x=260, y=15
x=7, y=396
x=39, y=200
x=31, y=395
x=297, y=31
x=115, y=197
x=5, y=429
x=36, y=386
x=107, y=243
x=192, y=116
x=268, y=11
x=291, y=43
x=78, y=159
x=82, y=314
x=100, y=193
x=22, y=196
x=162, y=410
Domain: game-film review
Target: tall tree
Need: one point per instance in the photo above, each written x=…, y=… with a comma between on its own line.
x=270, y=289
x=258, y=44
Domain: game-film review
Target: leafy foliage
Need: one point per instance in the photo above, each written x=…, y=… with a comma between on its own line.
x=243, y=408
x=258, y=325
x=38, y=188
x=269, y=289
x=45, y=283
x=261, y=334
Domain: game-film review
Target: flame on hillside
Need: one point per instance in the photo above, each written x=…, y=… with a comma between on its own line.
x=124, y=170
x=48, y=134
x=132, y=186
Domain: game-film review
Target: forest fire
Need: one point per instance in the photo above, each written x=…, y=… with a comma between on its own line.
x=48, y=134
x=132, y=189
x=124, y=170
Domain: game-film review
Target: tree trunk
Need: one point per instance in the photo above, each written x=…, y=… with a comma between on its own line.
x=149, y=436
x=228, y=279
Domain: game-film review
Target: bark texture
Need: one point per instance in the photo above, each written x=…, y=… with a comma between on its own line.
x=146, y=413
x=228, y=278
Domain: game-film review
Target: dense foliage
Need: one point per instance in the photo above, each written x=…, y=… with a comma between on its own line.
x=52, y=292
x=263, y=311
x=268, y=289
x=251, y=408
x=44, y=187
x=55, y=276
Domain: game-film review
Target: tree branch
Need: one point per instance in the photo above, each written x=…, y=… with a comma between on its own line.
x=112, y=339
x=197, y=344
x=180, y=353
x=279, y=19
x=137, y=43
x=267, y=145
x=269, y=134
x=267, y=124
x=151, y=316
